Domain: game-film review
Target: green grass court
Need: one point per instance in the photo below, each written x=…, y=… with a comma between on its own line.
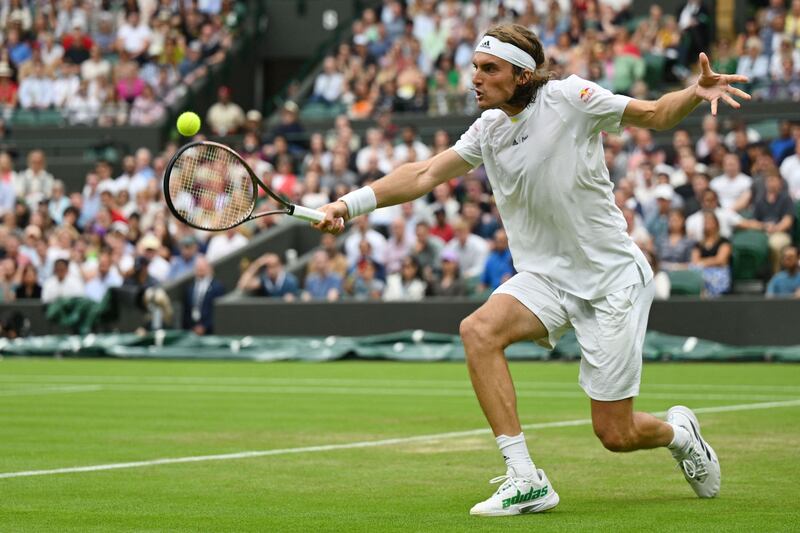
x=57, y=414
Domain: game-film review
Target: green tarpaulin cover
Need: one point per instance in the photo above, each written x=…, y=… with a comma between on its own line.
x=401, y=346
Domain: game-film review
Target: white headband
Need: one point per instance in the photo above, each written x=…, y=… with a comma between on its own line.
x=509, y=52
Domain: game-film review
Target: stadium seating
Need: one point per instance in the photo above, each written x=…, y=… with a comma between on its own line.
x=685, y=282
x=750, y=255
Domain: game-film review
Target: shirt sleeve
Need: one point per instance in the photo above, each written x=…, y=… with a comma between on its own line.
x=601, y=109
x=469, y=145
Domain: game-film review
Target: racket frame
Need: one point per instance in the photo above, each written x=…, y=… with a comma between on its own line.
x=299, y=211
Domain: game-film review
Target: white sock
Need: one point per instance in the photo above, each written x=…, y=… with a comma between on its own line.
x=681, y=438
x=515, y=452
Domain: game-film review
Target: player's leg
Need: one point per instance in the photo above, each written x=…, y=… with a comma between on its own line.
x=508, y=317
x=501, y=321
x=611, y=333
x=621, y=429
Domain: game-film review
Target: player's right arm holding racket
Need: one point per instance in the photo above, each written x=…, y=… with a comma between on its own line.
x=407, y=182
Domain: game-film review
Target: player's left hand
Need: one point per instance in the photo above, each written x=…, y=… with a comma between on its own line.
x=712, y=86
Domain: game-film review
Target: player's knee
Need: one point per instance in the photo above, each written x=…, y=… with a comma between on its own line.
x=474, y=332
x=613, y=439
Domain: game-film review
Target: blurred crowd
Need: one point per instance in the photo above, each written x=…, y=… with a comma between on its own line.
x=108, y=62
x=416, y=55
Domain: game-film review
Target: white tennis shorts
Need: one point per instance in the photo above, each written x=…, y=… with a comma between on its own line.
x=610, y=330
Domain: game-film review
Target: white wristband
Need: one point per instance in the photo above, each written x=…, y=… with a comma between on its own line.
x=360, y=202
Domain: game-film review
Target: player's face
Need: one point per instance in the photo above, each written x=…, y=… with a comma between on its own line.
x=493, y=79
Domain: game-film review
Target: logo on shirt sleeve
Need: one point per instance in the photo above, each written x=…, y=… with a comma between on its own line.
x=586, y=94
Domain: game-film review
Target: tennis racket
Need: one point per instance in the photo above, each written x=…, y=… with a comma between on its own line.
x=210, y=187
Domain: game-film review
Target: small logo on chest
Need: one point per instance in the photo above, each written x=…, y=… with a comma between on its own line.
x=519, y=140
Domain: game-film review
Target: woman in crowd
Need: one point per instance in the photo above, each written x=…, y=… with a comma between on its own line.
x=448, y=282
x=406, y=284
x=675, y=249
x=712, y=256
x=29, y=288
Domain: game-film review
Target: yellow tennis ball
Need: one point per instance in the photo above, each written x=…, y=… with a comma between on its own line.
x=188, y=124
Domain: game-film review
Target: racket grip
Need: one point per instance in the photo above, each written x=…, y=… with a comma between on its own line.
x=312, y=215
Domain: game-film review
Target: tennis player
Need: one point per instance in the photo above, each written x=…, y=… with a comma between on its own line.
x=540, y=141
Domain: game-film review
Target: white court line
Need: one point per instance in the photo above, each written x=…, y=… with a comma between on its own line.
x=51, y=390
x=201, y=380
x=417, y=392
x=362, y=444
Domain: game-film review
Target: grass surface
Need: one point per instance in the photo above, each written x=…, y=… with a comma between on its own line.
x=67, y=413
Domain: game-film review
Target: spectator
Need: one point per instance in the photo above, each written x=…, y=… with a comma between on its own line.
x=321, y=283
x=363, y=231
x=406, y=285
x=790, y=170
x=448, y=282
x=712, y=256
x=150, y=248
x=338, y=260
x=786, y=283
x=225, y=117
x=104, y=275
x=675, y=248
x=728, y=220
x=19, y=51
x=96, y=66
x=34, y=183
x=329, y=85
x=184, y=262
x=266, y=277
x=364, y=284
x=61, y=284
x=700, y=184
x=470, y=249
x=426, y=248
x=198, y=301
x=36, y=90
x=499, y=265
x=134, y=36
x=29, y=288
x=732, y=187
x=9, y=279
x=83, y=108
x=58, y=202
x=397, y=247
x=130, y=84
x=76, y=45
x=8, y=90
x=658, y=223
x=773, y=213
x=223, y=244
x=410, y=145
x=146, y=110
x=441, y=228
x=753, y=64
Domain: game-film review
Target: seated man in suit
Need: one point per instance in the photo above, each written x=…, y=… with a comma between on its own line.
x=198, y=302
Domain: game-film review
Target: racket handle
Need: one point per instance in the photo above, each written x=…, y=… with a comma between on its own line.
x=312, y=215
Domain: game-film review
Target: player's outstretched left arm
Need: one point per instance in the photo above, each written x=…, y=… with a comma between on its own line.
x=670, y=109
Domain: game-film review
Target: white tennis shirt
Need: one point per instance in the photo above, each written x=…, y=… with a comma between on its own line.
x=552, y=188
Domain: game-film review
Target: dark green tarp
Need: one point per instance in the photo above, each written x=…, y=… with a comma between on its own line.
x=401, y=346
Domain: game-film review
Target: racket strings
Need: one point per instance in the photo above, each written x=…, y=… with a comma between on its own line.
x=211, y=188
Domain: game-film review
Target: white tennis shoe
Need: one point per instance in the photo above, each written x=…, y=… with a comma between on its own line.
x=518, y=496
x=699, y=463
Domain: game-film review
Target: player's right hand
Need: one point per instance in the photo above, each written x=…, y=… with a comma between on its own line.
x=335, y=215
